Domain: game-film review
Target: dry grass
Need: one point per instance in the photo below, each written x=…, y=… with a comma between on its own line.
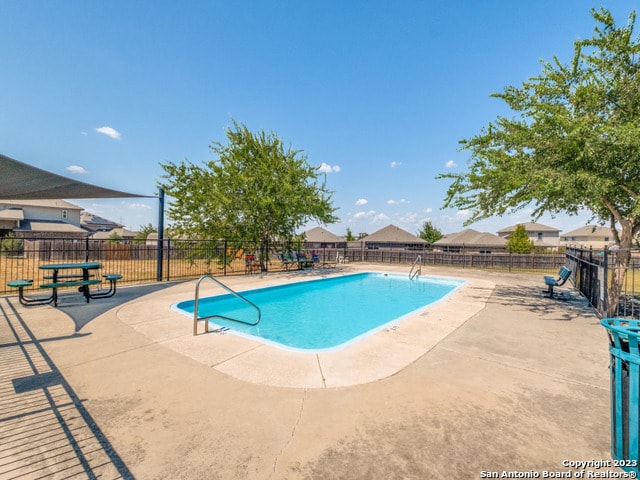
x=133, y=271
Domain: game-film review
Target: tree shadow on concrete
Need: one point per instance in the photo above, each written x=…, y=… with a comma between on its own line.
x=569, y=306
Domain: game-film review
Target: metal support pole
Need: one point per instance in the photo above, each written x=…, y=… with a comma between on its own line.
x=160, y=246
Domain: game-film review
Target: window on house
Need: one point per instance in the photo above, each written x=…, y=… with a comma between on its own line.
x=539, y=235
x=65, y=214
x=606, y=239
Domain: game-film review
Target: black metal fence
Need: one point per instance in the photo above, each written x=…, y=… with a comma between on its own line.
x=592, y=276
x=139, y=262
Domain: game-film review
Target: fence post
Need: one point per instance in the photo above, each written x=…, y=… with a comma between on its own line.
x=168, y=253
x=605, y=289
x=224, y=258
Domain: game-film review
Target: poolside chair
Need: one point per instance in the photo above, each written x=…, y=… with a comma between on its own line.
x=287, y=261
x=550, y=282
x=251, y=264
x=303, y=260
x=317, y=262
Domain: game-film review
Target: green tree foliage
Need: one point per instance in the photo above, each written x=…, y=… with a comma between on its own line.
x=114, y=238
x=519, y=241
x=574, y=146
x=9, y=245
x=143, y=233
x=349, y=235
x=255, y=191
x=429, y=232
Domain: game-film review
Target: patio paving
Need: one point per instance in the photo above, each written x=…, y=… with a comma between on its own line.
x=520, y=385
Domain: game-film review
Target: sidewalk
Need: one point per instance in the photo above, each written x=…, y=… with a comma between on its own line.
x=522, y=385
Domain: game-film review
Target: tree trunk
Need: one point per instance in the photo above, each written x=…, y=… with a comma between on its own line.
x=619, y=260
x=264, y=254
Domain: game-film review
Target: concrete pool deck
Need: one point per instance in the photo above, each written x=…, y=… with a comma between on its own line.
x=494, y=378
x=376, y=356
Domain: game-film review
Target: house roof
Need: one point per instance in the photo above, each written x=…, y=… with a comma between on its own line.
x=589, y=231
x=12, y=214
x=92, y=221
x=22, y=181
x=471, y=237
x=41, y=203
x=392, y=234
x=321, y=235
x=49, y=226
x=121, y=232
x=530, y=227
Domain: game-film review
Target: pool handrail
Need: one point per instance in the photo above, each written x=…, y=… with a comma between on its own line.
x=418, y=272
x=232, y=292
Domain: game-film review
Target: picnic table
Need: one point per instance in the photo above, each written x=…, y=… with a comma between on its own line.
x=80, y=280
x=67, y=275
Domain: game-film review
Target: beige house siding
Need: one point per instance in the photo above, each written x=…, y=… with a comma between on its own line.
x=589, y=236
x=541, y=235
x=43, y=218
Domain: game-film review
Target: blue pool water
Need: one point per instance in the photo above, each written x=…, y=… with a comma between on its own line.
x=327, y=313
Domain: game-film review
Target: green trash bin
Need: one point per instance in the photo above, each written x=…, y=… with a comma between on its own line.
x=624, y=367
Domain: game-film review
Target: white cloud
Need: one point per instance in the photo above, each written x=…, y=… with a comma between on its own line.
x=395, y=164
x=381, y=217
x=462, y=214
x=402, y=201
x=450, y=164
x=325, y=168
x=76, y=169
x=362, y=201
x=139, y=206
x=361, y=215
x=110, y=132
x=412, y=218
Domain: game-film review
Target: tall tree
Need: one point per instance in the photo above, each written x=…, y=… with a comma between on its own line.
x=256, y=190
x=519, y=241
x=349, y=235
x=429, y=232
x=574, y=146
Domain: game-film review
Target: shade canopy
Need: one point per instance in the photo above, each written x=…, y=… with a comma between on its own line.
x=19, y=181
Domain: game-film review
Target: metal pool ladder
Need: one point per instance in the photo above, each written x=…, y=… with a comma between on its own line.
x=417, y=263
x=232, y=292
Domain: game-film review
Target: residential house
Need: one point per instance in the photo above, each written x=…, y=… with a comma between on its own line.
x=589, y=236
x=391, y=238
x=94, y=223
x=471, y=240
x=40, y=218
x=121, y=232
x=541, y=235
x=319, y=237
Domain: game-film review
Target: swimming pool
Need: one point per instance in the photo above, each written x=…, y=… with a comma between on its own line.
x=324, y=314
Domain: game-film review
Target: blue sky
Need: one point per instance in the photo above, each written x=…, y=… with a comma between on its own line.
x=376, y=93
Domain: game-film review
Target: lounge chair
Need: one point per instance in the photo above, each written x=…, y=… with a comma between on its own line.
x=550, y=282
x=317, y=262
x=303, y=260
x=287, y=261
